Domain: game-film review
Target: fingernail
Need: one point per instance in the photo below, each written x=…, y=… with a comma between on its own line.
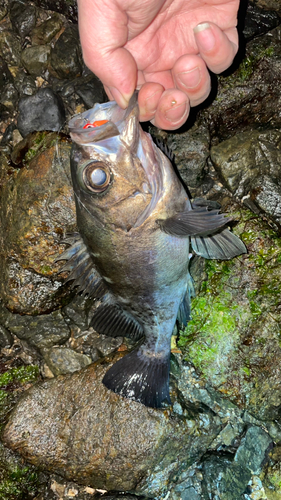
x=204, y=37
x=121, y=99
x=176, y=113
x=189, y=79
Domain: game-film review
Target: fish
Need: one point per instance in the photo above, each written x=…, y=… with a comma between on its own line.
x=137, y=226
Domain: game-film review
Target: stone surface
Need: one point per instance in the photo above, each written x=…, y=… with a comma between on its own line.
x=35, y=59
x=45, y=32
x=41, y=111
x=10, y=47
x=250, y=165
x=98, y=438
x=253, y=450
x=62, y=360
x=233, y=339
x=37, y=207
x=66, y=58
x=23, y=16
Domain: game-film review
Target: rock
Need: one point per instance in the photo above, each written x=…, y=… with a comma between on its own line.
x=25, y=84
x=6, y=339
x=259, y=21
x=224, y=479
x=66, y=7
x=9, y=97
x=254, y=449
x=45, y=32
x=23, y=17
x=62, y=360
x=37, y=207
x=41, y=332
x=10, y=47
x=66, y=57
x=41, y=111
x=90, y=89
x=35, y=59
x=5, y=74
x=249, y=97
x=101, y=439
x=233, y=336
x=250, y=165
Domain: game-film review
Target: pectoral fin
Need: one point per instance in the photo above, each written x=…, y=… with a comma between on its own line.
x=112, y=320
x=197, y=222
x=224, y=245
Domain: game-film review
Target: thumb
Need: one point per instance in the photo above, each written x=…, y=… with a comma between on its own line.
x=103, y=34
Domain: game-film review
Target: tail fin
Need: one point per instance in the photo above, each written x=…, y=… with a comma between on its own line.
x=142, y=378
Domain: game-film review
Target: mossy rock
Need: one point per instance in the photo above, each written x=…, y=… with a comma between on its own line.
x=233, y=338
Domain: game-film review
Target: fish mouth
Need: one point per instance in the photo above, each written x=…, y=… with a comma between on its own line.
x=115, y=126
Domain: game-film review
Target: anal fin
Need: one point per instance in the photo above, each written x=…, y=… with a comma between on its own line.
x=112, y=320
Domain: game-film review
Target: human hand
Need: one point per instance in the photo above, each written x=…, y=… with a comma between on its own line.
x=162, y=47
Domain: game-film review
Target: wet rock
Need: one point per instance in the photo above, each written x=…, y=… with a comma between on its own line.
x=250, y=164
x=41, y=111
x=45, y=32
x=250, y=96
x=90, y=89
x=5, y=74
x=66, y=7
x=224, y=478
x=254, y=449
x=25, y=84
x=35, y=59
x=37, y=207
x=62, y=360
x=6, y=339
x=3, y=11
x=9, y=97
x=259, y=21
x=102, y=439
x=41, y=332
x=233, y=337
x=66, y=57
x=10, y=47
x=23, y=17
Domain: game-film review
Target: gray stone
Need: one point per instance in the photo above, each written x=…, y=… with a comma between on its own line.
x=66, y=57
x=254, y=448
x=223, y=479
x=259, y=21
x=73, y=426
x=41, y=111
x=35, y=59
x=39, y=331
x=23, y=16
x=62, y=360
x=250, y=164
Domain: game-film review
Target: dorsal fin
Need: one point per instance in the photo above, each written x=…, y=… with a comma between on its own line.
x=165, y=149
x=81, y=267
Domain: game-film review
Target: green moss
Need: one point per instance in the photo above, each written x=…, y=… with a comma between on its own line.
x=22, y=375
x=17, y=483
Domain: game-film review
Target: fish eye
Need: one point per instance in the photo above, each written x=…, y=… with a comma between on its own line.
x=96, y=176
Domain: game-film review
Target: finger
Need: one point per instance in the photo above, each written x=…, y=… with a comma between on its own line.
x=148, y=99
x=103, y=34
x=172, y=110
x=192, y=77
x=216, y=47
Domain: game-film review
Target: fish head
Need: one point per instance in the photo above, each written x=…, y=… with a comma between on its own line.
x=118, y=173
